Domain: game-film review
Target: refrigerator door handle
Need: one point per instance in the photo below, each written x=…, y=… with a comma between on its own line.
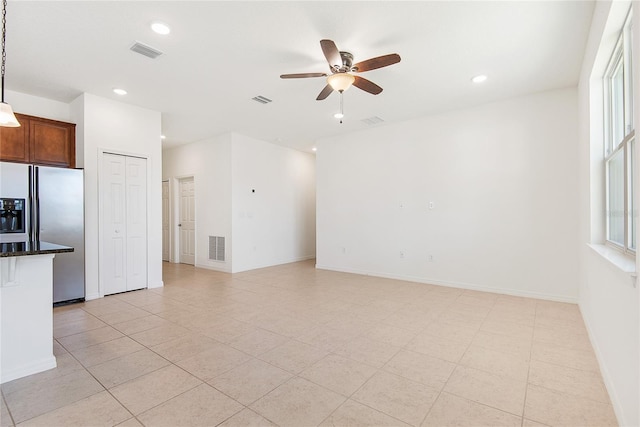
x=36, y=226
x=32, y=210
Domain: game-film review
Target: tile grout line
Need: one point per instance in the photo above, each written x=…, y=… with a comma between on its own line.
x=6, y=405
x=526, y=389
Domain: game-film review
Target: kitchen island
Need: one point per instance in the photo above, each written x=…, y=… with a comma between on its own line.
x=26, y=308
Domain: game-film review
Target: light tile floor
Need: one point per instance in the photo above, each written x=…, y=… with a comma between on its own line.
x=294, y=346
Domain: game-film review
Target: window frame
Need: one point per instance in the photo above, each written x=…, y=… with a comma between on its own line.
x=621, y=57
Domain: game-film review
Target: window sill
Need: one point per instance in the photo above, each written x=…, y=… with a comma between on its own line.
x=623, y=262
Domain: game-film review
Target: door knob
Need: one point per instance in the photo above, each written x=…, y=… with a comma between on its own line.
x=179, y=225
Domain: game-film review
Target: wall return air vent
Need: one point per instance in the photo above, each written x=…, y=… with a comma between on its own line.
x=216, y=248
x=145, y=50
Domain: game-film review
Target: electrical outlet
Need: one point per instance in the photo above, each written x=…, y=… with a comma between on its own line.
x=401, y=254
x=344, y=250
x=430, y=258
x=431, y=205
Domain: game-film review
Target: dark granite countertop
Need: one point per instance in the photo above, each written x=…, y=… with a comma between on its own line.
x=31, y=248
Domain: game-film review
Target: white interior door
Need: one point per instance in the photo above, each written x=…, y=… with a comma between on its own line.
x=136, y=199
x=187, y=221
x=165, y=221
x=114, y=256
x=123, y=195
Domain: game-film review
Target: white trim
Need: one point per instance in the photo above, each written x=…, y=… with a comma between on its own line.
x=101, y=152
x=458, y=285
x=92, y=296
x=606, y=376
x=30, y=369
x=152, y=285
x=226, y=269
x=616, y=258
x=275, y=263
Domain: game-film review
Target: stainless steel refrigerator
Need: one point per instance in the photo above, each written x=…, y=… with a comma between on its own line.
x=54, y=213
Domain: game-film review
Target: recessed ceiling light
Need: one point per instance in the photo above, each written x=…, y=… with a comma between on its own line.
x=479, y=79
x=119, y=91
x=160, y=28
x=314, y=149
x=162, y=137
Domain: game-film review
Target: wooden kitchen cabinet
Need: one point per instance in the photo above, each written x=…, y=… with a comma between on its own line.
x=39, y=141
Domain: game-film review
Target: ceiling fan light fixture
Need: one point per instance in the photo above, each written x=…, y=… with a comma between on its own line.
x=341, y=81
x=338, y=115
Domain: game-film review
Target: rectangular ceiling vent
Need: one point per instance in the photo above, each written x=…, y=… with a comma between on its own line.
x=145, y=50
x=261, y=99
x=373, y=120
x=216, y=248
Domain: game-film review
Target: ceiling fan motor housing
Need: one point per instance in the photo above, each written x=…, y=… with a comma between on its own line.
x=347, y=63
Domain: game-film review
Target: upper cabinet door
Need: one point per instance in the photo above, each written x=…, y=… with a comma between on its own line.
x=52, y=143
x=40, y=141
x=14, y=142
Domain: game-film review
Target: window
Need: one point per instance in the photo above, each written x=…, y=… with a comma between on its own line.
x=619, y=146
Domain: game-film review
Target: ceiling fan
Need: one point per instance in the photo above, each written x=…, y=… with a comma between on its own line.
x=342, y=70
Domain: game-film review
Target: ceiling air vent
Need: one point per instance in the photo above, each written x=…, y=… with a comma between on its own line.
x=261, y=99
x=372, y=120
x=145, y=50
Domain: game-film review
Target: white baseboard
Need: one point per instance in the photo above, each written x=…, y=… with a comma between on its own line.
x=459, y=285
x=157, y=284
x=606, y=376
x=277, y=262
x=26, y=370
x=89, y=297
x=212, y=267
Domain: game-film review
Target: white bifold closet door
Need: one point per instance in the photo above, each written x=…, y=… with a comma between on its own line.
x=123, y=192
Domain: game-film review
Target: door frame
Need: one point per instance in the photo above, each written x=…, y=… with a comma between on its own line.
x=174, y=188
x=101, y=152
x=169, y=242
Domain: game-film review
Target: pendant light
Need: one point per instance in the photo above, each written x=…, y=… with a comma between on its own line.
x=7, y=118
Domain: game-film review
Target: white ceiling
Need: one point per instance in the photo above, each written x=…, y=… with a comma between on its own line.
x=219, y=55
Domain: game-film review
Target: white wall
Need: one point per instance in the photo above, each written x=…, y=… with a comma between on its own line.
x=123, y=129
x=276, y=223
x=39, y=107
x=273, y=225
x=209, y=162
x=502, y=179
x=103, y=124
x=609, y=299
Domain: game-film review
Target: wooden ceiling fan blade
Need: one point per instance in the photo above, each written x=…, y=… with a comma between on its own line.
x=332, y=53
x=325, y=92
x=302, y=75
x=378, y=62
x=367, y=85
